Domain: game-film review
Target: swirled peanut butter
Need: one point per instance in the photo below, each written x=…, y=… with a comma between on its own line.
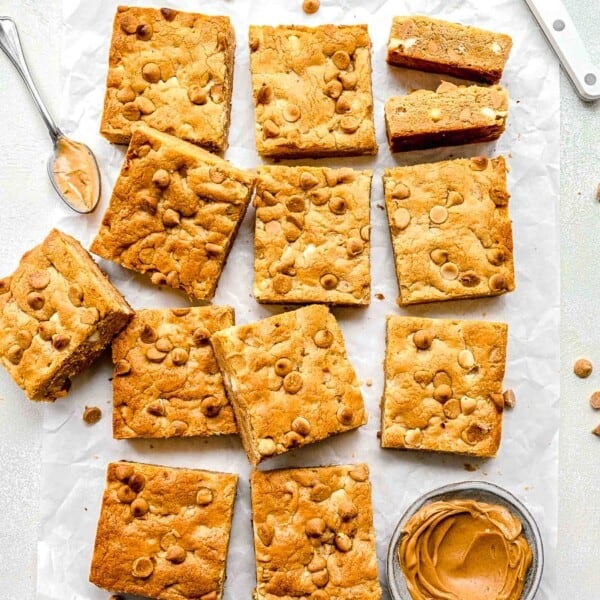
x=75, y=174
x=464, y=550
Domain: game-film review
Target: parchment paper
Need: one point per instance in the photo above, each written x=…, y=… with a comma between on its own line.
x=75, y=455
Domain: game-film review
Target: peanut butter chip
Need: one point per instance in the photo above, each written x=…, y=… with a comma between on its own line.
x=343, y=105
x=137, y=482
x=15, y=354
x=466, y=359
x=164, y=344
x=401, y=191
x=283, y=366
x=270, y=129
x=344, y=415
x=497, y=283
x=413, y=437
x=161, y=178
x=144, y=31
x=454, y=199
x=267, y=447
x=439, y=257
x=292, y=439
x=125, y=494
x=197, y=95
x=469, y=279
x=301, y=426
x=423, y=339
x=171, y=218
x=354, y=247
x=346, y=175
x=265, y=533
x=151, y=72
x=5, y=285
x=311, y=6
x=292, y=382
x=596, y=430
x=123, y=472
x=179, y=356
x=449, y=271
x=217, y=94
x=423, y=378
x=473, y=434
x=156, y=408
x=60, y=340
x=168, y=13
x=204, y=496
x=148, y=335
x=129, y=23
x=24, y=339
x=39, y=280
x=442, y=393
x=467, y=405
x=479, y=163
x=139, y=507
x=92, y=414
x=179, y=427
x=365, y=233
x=126, y=95
x=142, y=567
x=349, y=80
x=329, y=281
x=154, y=355
x=582, y=368
x=131, y=112
x=452, y=409
x=438, y=214
x=282, y=284
x=201, y=336
x=320, y=492
x=264, y=94
x=510, y=400
x=347, y=509
x=337, y=205
x=213, y=249
x=360, y=473
x=210, y=406
x=315, y=527
x=323, y=338
x=319, y=197
x=342, y=542
x=496, y=256
x=321, y=578
x=35, y=300
x=341, y=59
x=291, y=113
x=308, y=180
x=176, y=554
x=595, y=400
x=334, y=89
x=349, y=124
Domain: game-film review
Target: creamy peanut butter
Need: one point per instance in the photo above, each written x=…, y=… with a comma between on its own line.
x=76, y=175
x=464, y=550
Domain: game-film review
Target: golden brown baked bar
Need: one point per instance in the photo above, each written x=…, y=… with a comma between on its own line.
x=451, y=230
x=428, y=44
x=443, y=385
x=450, y=116
x=173, y=70
x=311, y=239
x=313, y=534
x=166, y=381
x=163, y=532
x=174, y=213
x=58, y=311
x=312, y=90
x=289, y=381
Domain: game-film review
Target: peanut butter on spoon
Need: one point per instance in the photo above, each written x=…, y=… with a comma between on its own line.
x=464, y=550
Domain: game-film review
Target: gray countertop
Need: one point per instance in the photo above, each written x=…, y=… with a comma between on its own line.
x=25, y=148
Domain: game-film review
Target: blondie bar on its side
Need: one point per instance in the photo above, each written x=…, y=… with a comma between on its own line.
x=58, y=311
x=312, y=90
x=163, y=532
x=174, y=212
x=451, y=116
x=451, y=230
x=172, y=70
x=313, y=534
x=312, y=235
x=289, y=380
x=427, y=44
x=166, y=381
x=443, y=385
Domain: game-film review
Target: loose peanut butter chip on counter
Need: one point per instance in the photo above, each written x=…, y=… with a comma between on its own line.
x=582, y=368
x=323, y=338
x=596, y=430
x=595, y=400
x=267, y=447
x=92, y=414
x=449, y=271
x=423, y=339
x=311, y=6
x=510, y=399
x=142, y=567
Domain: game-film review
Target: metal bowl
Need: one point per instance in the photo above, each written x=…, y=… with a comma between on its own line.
x=480, y=491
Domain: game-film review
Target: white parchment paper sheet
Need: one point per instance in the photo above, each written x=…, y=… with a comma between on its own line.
x=75, y=455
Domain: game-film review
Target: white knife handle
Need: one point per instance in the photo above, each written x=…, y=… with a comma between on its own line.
x=562, y=35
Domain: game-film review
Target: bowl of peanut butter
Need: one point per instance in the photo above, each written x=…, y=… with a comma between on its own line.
x=465, y=541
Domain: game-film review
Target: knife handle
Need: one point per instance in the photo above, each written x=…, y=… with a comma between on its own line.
x=560, y=30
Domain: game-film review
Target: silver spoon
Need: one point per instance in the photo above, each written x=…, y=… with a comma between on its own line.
x=72, y=167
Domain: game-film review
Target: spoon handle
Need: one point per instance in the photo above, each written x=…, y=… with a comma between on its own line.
x=11, y=45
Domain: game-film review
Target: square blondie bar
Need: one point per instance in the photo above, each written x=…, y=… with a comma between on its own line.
x=451, y=116
x=427, y=44
x=172, y=70
x=313, y=534
x=451, y=230
x=443, y=385
x=164, y=532
x=312, y=90
x=58, y=311
x=174, y=213
x=311, y=239
x=289, y=380
x=166, y=381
